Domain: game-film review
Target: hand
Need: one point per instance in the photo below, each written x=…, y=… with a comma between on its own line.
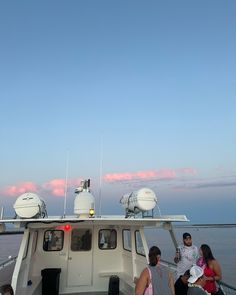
x=176, y=259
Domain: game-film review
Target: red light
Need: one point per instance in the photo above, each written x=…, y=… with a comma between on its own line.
x=67, y=227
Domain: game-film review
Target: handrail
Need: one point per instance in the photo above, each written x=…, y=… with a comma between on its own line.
x=221, y=283
x=7, y=262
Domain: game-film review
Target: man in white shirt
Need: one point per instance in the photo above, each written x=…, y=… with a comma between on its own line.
x=186, y=255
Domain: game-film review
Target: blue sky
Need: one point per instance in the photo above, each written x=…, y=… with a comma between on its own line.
x=152, y=82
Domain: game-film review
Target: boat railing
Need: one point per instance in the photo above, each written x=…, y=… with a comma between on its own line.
x=7, y=262
x=227, y=288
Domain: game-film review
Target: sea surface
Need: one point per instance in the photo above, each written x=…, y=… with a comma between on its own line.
x=221, y=240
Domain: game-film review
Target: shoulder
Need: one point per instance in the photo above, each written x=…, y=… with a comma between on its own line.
x=194, y=248
x=144, y=276
x=214, y=264
x=145, y=273
x=178, y=281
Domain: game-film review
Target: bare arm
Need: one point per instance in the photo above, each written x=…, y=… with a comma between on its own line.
x=215, y=266
x=171, y=282
x=142, y=282
x=217, y=269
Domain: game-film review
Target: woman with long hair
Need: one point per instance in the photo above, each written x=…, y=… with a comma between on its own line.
x=6, y=290
x=211, y=268
x=153, y=278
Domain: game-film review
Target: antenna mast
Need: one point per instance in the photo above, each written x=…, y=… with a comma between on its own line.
x=66, y=184
x=100, y=178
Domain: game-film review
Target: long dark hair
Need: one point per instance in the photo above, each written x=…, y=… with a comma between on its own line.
x=154, y=251
x=6, y=289
x=206, y=253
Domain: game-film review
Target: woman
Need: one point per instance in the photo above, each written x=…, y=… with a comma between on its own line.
x=6, y=290
x=149, y=281
x=211, y=268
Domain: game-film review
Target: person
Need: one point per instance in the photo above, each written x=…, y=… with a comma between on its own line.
x=6, y=290
x=181, y=284
x=186, y=256
x=86, y=241
x=196, y=281
x=211, y=269
x=152, y=279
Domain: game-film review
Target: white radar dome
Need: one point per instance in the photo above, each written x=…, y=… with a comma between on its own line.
x=84, y=202
x=30, y=205
x=142, y=200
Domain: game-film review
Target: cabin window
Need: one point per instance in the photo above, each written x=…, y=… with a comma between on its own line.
x=26, y=248
x=107, y=239
x=35, y=240
x=53, y=240
x=139, y=243
x=81, y=239
x=127, y=239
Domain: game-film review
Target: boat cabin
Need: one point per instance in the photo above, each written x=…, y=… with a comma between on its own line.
x=84, y=253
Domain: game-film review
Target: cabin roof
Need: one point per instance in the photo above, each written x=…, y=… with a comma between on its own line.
x=101, y=220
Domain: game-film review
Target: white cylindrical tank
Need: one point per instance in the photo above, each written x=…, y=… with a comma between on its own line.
x=142, y=200
x=84, y=202
x=30, y=205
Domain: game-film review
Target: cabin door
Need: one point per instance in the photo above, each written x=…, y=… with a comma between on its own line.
x=80, y=257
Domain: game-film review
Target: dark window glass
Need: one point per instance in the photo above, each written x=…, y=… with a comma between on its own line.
x=127, y=239
x=81, y=239
x=107, y=239
x=53, y=240
x=139, y=243
x=27, y=247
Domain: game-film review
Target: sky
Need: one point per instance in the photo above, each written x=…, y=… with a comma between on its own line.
x=130, y=94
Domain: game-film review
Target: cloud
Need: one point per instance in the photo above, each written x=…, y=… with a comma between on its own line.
x=56, y=187
x=18, y=189
x=205, y=184
x=187, y=171
x=162, y=174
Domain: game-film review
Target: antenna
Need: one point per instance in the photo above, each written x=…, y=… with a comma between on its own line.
x=2, y=213
x=66, y=183
x=100, y=177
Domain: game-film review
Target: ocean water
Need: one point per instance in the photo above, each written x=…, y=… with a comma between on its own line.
x=221, y=240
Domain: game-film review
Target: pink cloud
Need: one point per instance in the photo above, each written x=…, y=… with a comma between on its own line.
x=187, y=171
x=56, y=187
x=162, y=174
x=21, y=188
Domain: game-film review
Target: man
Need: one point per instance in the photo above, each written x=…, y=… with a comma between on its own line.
x=181, y=285
x=196, y=281
x=186, y=256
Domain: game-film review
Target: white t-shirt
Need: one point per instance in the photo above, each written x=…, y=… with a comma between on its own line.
x=188, y=256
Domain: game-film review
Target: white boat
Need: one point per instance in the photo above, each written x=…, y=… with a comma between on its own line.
x=83, y=253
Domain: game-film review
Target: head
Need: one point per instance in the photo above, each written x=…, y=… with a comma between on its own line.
x=196, y=276
x=185, y=277
x=6, y=290
x=154, y=255
x=205, y=252
x=187, y=239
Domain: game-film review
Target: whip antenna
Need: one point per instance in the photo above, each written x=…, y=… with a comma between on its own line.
x=66, y=184
x=100, y=177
